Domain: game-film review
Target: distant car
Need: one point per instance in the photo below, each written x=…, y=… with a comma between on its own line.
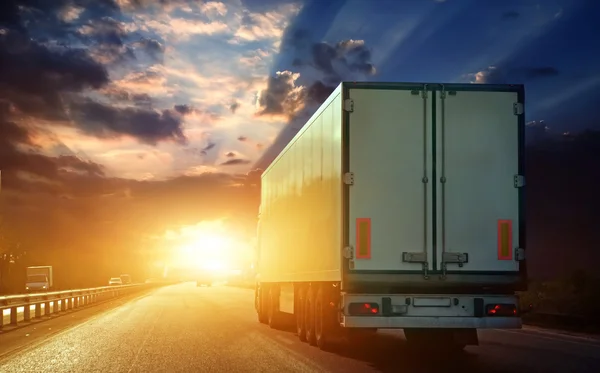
x=115, y=281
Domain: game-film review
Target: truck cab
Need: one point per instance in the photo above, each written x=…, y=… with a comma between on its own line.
x=37, y=283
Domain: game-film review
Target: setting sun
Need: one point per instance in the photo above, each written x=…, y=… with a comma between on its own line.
x=207, y=246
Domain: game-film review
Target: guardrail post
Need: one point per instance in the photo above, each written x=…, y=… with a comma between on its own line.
x=38, y=310
x=67, y=303
x=56, y=308
x=47, y=308
x=27, y=312
x=13, y=316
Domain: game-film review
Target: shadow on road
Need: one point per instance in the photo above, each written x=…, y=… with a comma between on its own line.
x=389, y=353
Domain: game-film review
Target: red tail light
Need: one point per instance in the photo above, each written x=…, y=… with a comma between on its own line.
x=501, y=310
x=363, y=309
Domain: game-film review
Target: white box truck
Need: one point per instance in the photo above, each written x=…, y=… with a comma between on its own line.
x=398, y=205
x=39, y=278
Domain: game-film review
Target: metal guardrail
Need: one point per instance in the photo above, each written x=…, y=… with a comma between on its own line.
x=57, y=301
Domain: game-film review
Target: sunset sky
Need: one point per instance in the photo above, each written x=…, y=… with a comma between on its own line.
x=113, y=112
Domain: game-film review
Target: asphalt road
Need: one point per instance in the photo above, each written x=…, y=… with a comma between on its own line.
x=183, y=328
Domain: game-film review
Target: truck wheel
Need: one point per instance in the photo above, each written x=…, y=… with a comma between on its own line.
x=260, y=306
x=309, y=316
x=273, y=308
x=299, y=304
x=324, y=318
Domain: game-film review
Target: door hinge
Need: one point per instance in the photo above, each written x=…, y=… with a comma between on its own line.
x=349, y=105
x=349, y=178
x=348, y=252
x=519, y=254
x=519, y=181
x=518, y=108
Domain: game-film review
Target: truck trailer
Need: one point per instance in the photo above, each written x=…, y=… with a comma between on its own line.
x=398, y=206
x=39, y=278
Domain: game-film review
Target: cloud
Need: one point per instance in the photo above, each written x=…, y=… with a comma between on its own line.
x=335, y=62
x=214, y=9
x=282, y=96
x=152, y=47
x=230, y=154
x=37, y=79
x=504, y=75
x=235, y=162
x=323, y=65
x=234, y=106
x=267, y=25
x=148, y=126
x=24, y=167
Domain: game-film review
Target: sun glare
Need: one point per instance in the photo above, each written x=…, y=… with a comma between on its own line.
x=207, y=246
x=210, y=251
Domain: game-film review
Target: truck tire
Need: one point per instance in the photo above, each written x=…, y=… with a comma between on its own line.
x=273, y=308
x=324, y=318
x=260, y=305
x=299, y=304
x=309, y=316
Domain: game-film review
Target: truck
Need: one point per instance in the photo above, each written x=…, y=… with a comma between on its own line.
x=397, y=206
x=39, y=278
x=125, y=279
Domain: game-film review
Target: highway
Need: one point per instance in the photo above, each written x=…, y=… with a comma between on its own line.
x=182, y=328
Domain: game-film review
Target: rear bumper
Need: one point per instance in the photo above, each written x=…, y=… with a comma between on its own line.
x=401, y=322
x=429, y=311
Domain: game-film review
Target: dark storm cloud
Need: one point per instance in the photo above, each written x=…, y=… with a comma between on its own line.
x=183, y=109
x=234, y=106
x=242, y=138
x=33, y=76
x=334, y=61
x=328, y=58
x=235, y=162
x=230, y=154
x=504, y=75
x=318, y=92
x=148, y=126
x=281, y=95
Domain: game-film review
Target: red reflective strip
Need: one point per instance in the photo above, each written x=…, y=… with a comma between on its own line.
x=363, y=238
x=505, y=239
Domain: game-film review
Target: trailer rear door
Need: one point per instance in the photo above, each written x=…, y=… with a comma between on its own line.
x=389, y=151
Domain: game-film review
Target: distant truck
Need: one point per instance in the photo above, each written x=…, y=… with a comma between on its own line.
x=39, y=278
x=398, y=205
x=126, y=279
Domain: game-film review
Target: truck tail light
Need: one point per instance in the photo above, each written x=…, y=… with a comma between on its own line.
x=363, y=309
x=501, y=310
